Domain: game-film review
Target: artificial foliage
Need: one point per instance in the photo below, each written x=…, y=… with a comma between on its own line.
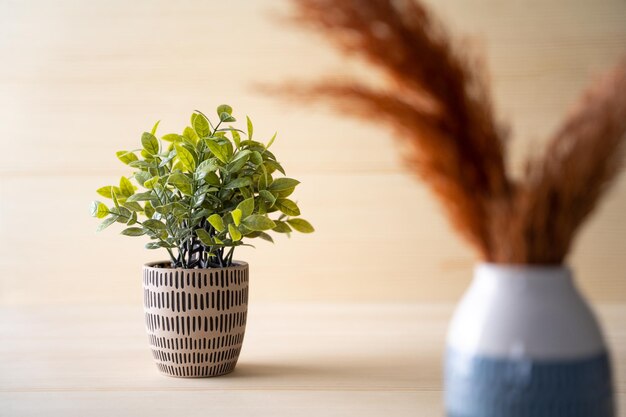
x=202, y=193
x=435, y=96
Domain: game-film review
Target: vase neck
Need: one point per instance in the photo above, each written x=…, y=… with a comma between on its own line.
x=502, y=277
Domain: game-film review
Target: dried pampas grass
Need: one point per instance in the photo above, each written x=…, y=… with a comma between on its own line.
x=438, y=102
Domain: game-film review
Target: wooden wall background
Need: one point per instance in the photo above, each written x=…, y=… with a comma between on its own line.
x=80, y=80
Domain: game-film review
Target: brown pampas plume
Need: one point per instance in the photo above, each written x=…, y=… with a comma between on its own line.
x=438, y=103
x=562, y=188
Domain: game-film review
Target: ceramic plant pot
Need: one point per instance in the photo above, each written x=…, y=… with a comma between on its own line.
x=524, y=343
x=195, y=318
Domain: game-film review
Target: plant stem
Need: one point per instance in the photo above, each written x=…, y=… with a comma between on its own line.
x=229, y=256
x=216, y=127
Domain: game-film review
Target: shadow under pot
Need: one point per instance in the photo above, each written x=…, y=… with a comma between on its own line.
x=523, y=342
x=195, y=318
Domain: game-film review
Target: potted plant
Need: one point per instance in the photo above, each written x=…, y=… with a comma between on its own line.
x=199, y=195
x=523, y=342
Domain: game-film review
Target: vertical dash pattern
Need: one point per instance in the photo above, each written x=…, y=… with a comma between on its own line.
x=195, y=319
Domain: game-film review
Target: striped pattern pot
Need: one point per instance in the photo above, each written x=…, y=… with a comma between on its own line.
x=524, y=343
x=195, y=318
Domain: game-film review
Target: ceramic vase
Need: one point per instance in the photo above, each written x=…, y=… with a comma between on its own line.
x=523, y=342
x=195, y=318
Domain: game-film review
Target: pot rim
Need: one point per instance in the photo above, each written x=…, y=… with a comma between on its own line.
x=236, y=265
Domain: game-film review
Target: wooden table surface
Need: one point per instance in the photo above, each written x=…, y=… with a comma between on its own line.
x=298, y=360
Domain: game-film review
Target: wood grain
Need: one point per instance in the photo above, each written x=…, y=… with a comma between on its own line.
x=82, y=80
x=306, y=359
x=225, y=403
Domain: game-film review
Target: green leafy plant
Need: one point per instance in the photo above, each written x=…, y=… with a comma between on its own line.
x=200, y=194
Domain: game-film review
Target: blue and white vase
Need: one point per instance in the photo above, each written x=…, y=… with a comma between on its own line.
x=524, y=343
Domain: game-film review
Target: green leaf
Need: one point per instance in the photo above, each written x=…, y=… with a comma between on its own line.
x=180, y=212
x=217, y=222
x=256, y=158
x=269, y=156
x=200, y=125
x=267, y=196
x=250, y=128
x=246, y=207
x=157, y=245
x=133, y=217
x=200, y=215
x=154, y=128
x=224, y=108
x=166, y=160
x=204, y=237
x=182, y=182
x=99, y=210
x=156, y=234
x=274, y=166
x=190, y=136
x=218, y=150
x=172, y=137
x=264, y=179
x=185, y=157
x=282, y=227
x=285, y=193
x=122, y=212
x=258, y=222
x=198, y=199
x=246, y=192
x=205, y=190
x=126, y=187
x=287, y=206
x=265, y=236
x=301, y=225
x=142, y=176
x=262, y=207
x=107, y=191
x=206, y=166
x=253, y=145
x=244, y=154
x=238, y=183
x=234, y=233
x=106, y=223
x=114, y=197
x=225, y=117
x=133, y=231
x=236, y=137
x=236, y=215
x=280, y=184
x=142, y=164
x=154, y=224
x=126, y=156
x=131, y=205
x=244, y=230
x=151, y=182
x=271, y=141
x=212, y=179
x=150, y=143
x=147, y=196
x=148, y=209
x=166, y=208
x=236, y=166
